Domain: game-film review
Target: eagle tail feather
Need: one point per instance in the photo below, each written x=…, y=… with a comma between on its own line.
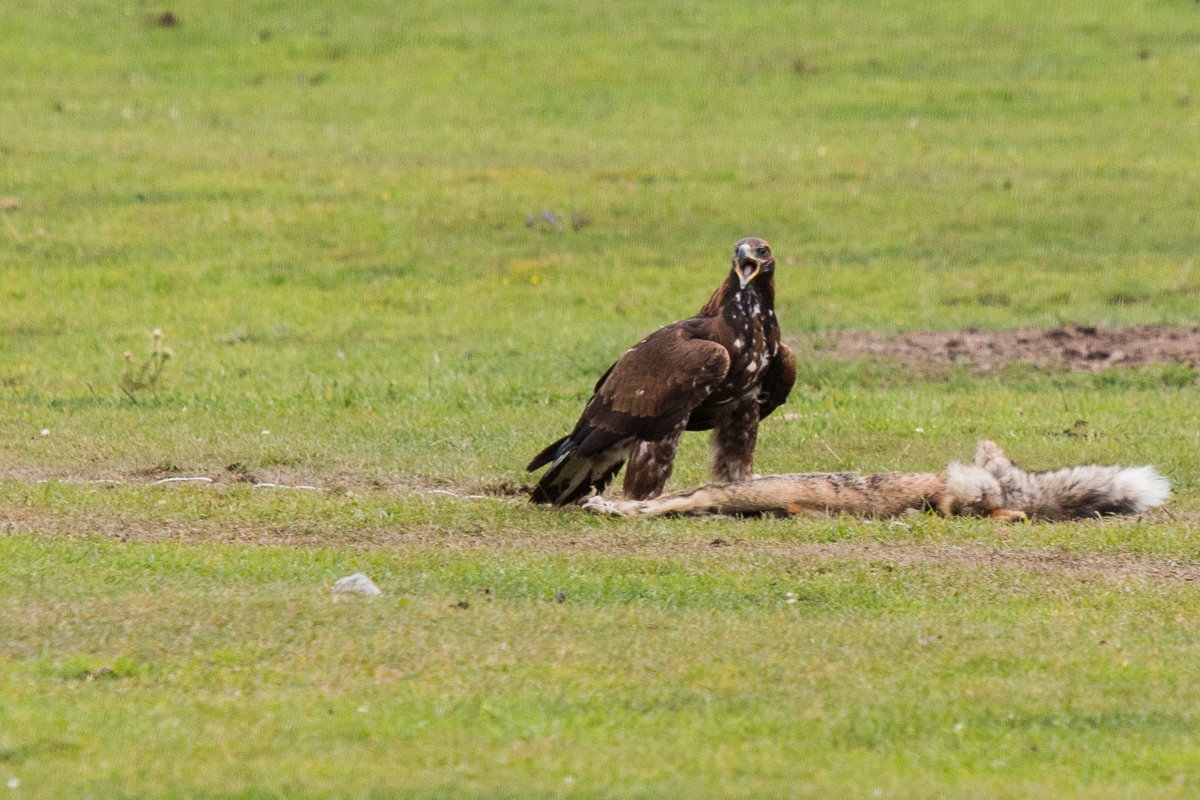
x=573, y=476
x=551, y=453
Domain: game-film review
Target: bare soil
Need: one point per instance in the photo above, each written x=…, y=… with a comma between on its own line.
x=1078, y=347
x=613, y=541
x=337, y=481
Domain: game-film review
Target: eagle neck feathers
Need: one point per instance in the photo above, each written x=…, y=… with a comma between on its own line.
x=762, y=289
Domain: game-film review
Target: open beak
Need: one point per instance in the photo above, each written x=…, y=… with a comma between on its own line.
x=747, y=265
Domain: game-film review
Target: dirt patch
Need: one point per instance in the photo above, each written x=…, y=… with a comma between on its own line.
x=615, y=540
x=336, y=482
x=502, y=489
x=1079, y=347
x=1036, y=560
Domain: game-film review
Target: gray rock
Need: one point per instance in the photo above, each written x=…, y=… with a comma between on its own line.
x=356, y=584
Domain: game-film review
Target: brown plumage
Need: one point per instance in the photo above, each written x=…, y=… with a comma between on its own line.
x=722, y=370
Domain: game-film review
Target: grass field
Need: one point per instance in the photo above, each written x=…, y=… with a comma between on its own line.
x=334, y=213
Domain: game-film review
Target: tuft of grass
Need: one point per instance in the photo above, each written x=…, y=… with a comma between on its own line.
x=145, y=377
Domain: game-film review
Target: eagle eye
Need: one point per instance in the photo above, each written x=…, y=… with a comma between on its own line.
x=762, y=251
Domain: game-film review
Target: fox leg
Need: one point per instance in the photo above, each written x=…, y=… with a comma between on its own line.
x=776, y=495
x=1013, y=481
x=989, y=456
x=705, y=500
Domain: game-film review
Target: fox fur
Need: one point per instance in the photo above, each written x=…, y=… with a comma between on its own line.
x=992, y=486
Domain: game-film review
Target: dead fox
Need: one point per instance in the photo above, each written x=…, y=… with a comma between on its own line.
x=990, y=487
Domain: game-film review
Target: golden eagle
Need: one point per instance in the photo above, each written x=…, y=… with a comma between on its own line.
x=722, y=370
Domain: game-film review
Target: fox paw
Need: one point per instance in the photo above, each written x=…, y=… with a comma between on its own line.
x=605, y=508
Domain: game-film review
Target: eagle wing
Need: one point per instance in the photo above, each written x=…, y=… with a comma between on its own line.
x=778, y=380
x=645, y=396
x=656, y=384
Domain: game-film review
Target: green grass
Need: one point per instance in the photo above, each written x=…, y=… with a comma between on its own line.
x=232, y=669
x=324, y=208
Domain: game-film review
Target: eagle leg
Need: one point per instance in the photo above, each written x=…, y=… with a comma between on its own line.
x=650, y=466
x=731, y=451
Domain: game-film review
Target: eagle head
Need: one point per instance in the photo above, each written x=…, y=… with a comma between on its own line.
x=750, y=257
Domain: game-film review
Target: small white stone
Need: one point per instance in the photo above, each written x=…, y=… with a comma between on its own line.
x=14, y=783
x=356, y=584
x=919, y=430
x=266, y=433
x=45, y=431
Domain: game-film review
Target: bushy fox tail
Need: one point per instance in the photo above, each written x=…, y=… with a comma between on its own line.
x=1073, y=492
